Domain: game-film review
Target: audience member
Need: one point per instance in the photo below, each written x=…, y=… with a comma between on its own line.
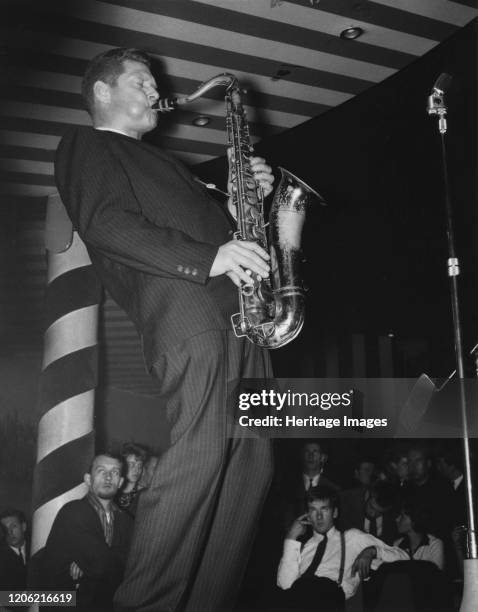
x=395, y=467
x=313, y=458
x=434, y=494
x=412, y=525
x=328, y=569
x=13, y=551
x=135, y=457
x=417, y=585
x=364, y=472
x=371, y=510
x=88, y=542
x=449, y=464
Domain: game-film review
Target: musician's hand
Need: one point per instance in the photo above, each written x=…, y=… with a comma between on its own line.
x=263, y=174
x=237, y=257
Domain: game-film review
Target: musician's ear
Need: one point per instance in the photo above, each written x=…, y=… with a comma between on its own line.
x=101, y=91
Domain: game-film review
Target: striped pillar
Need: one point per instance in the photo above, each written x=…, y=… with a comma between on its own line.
x=69, y=376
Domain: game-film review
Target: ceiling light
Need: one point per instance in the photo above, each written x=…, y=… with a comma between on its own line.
x=351, y=33
x=201, y=121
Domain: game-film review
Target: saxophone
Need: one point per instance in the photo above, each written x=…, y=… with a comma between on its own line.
x=271, y=310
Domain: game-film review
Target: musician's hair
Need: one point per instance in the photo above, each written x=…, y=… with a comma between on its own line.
x=107, y=67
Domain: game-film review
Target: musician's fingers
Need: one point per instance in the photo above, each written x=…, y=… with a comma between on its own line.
x=250, y=261
x=253, y=246
x=258, y=161
x=234, y=277
x=264, y=177
x=243, y=276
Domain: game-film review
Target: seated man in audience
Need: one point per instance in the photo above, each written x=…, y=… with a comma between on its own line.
x=328, y=569
x=88, y=542
x=372, y=512
x=449, y=464
x=313, y=460
x=365, y=472
x=431, y=492
x=13, y=551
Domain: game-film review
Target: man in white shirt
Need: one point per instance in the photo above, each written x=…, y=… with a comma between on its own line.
x=328, y=569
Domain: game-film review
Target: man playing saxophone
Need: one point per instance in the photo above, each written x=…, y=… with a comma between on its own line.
x=165, y=251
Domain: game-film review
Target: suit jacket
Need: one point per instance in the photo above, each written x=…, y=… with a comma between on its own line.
x=13, y=572
x=77, y=535
x=352, y=514
x=152, y=232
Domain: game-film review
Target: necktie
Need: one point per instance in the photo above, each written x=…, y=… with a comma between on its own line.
x=311, y=483
x=19, y=553
x=319, y=553
x=373, y=526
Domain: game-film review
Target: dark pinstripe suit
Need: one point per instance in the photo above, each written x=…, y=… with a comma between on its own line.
x=153, y=233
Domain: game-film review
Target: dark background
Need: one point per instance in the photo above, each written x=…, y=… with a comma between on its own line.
x=377, y=254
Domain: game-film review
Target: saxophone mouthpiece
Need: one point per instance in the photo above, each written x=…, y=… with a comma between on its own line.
x=164, y=105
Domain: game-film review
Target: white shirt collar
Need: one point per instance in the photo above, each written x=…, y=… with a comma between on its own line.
x=107, y=129
x=457, y=482
x=16, y=548
x=315, y=480
x=330, y=533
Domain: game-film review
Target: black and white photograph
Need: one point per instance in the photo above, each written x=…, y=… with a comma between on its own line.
x=239, y=305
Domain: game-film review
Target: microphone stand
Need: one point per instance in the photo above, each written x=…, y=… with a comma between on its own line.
x=436, y=106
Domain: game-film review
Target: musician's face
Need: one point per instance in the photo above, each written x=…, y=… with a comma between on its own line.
x=128, y=102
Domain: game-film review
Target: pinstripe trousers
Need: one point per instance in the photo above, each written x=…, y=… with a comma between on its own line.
x=195, y=524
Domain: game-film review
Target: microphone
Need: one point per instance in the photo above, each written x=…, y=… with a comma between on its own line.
x=436, y=100
x=443, y=83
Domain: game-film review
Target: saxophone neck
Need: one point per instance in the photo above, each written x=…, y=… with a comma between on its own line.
x=225, y=79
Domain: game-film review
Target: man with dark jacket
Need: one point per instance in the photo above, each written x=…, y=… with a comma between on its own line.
x=165, y=251
x=372, y=511
x=88, y=542
x=13, y=551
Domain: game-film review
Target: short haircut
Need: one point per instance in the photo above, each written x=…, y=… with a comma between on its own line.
x=118, y=458
x=364, y=459
x=107, y=67
x=323, y=493
x=8, y=512
x=319, y=443
x=420, y=515
x=139, y=451
x=384, y=493
x=422, y=448
x=452, y=456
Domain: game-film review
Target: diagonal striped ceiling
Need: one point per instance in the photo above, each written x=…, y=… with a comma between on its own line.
x=287, y=54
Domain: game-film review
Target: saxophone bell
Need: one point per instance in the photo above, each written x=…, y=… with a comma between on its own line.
x=271, y=310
